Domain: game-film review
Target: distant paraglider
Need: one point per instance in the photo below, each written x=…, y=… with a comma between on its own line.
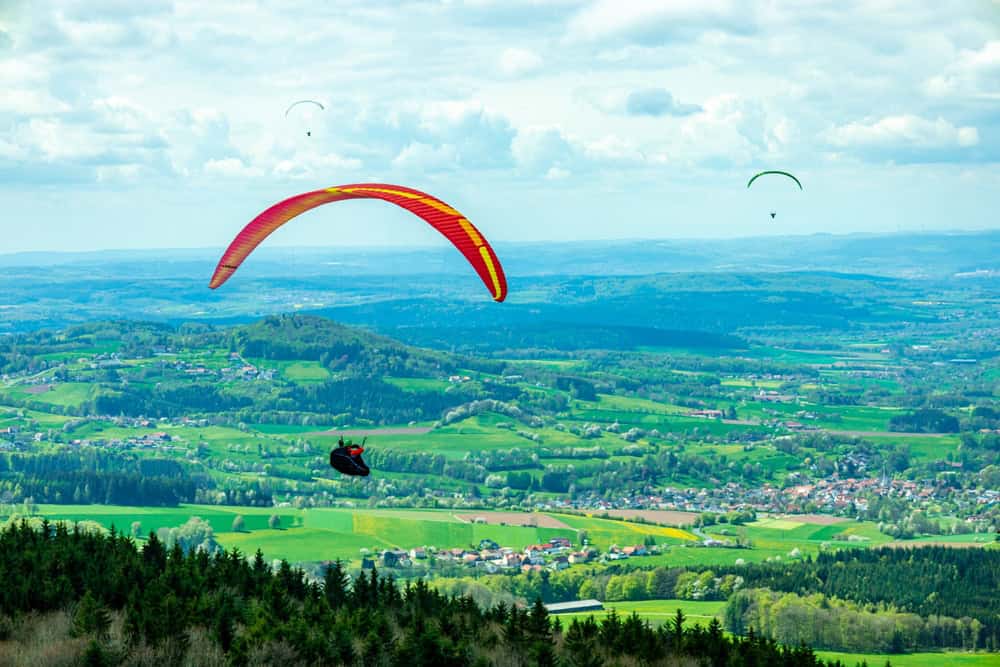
x=308, y=103
x=439, y=215
x=781, y=173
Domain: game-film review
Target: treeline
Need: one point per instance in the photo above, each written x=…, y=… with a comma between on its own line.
x=507, y=468
x=926, y=420
x=928, y=581
x=372, y=398
x=84, y=478
x=599, y=475
x=156, y=606
x=343, y=398
x=24, y=351
x=337, y=347
x=351, y=398
x=564, y=336
x=610, y=584
x=835, y=624
x=956, y=584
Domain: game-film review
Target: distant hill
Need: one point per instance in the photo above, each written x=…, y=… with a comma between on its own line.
x=421, y=295
x=926, y=254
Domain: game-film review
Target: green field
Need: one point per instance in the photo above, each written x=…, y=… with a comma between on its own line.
x=316, y=534
x=418, y=384
x=305, y=371
x=605, y=532
x=915, y=659
x=154, y=518
x=64, y=394
x=323, y=534
x=656, y=612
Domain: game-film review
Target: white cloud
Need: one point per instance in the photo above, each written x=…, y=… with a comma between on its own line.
x=179, y=94
x=557, y=174
x=230, y=167
x=518, y=62
x=612, y=148
x=314, y=167
x=656, y=102
x=26, y=102
x=541, y=148
x=113, y=132
x=731, y=130
x=427, y=157
x=905, y=130
x=974, y=72
x=197, y=137
x=656, y=21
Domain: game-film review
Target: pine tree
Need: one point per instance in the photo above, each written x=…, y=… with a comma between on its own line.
x=677, y=629
x=335, y=584
x=96, y=656
x=91, y=618
x=580, y=644
x=538, y=621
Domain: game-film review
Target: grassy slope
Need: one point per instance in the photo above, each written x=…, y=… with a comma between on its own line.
x=916, y=659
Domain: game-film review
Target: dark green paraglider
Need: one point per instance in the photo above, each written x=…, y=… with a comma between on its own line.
x=782, y=173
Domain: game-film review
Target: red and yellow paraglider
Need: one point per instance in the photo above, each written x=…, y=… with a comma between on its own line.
x=439, y=215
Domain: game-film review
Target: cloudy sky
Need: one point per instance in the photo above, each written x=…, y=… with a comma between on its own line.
x=161, y=123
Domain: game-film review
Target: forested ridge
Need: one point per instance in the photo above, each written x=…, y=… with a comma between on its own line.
x=866, y=600
x=95, y=476
x=119, y=604
x=929, y=581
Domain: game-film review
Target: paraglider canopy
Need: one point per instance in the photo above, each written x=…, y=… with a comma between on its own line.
x=311, y=105
x=295, y=104
x=781, y=173
x=439, y=215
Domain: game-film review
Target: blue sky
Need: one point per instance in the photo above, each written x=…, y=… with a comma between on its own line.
x=160, y=123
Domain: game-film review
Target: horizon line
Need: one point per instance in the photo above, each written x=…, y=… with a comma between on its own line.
x=402, y=247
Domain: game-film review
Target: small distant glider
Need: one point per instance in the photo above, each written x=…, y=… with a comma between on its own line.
x=781, y=173
x=306, y=102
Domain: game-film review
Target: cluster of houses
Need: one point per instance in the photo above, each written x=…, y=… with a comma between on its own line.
x=11, y=438
x=240, y=369
x=707, y=414
x=621, y=553
x=247, y=372
x=772, y=396
x=159, y=440
x=104, y=361
x=832, y=495
x=556, y=554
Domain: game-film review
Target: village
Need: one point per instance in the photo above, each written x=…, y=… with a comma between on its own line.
x=489, y=557
x=836, y=494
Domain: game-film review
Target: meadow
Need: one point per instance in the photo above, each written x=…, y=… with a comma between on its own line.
x=656, y=612
x=317, y=534
x=949, y=659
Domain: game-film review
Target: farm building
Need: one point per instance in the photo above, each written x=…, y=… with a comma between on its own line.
x=574, y=606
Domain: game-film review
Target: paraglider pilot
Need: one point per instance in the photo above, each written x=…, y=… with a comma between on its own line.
x=346, y=458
